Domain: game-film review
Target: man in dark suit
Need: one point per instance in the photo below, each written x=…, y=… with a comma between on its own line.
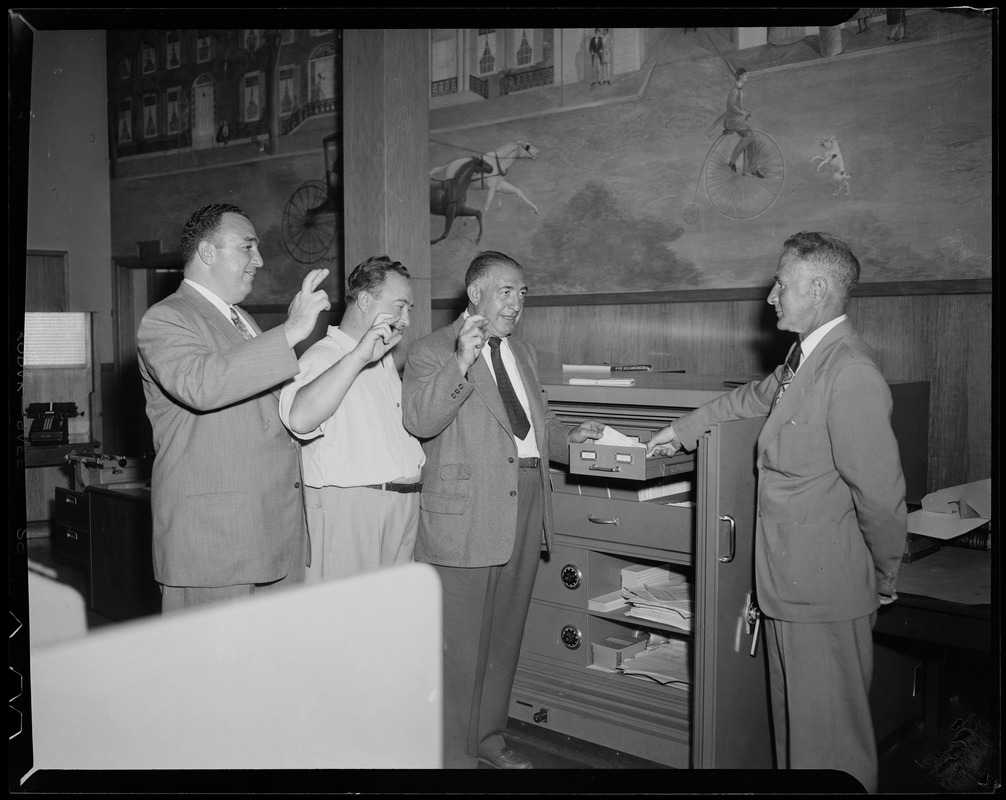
x=831, y=522
x=472, y=395
x=228, y=509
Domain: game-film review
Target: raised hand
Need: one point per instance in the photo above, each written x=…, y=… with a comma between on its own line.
x=307, y=304
x=471, y=340
x=379, y=338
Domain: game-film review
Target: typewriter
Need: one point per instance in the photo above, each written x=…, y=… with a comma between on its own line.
x=49, y=423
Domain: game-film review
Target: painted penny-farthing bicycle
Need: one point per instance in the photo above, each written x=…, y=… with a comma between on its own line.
x=309, y=217
x=740, y=193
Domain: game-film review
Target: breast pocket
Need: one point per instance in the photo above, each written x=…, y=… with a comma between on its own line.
x=803, y=450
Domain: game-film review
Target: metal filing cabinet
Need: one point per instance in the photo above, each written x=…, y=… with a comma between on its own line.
x=720, y=720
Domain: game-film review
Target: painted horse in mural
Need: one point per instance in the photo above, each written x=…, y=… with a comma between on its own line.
x=502, y=159
x=449, y=192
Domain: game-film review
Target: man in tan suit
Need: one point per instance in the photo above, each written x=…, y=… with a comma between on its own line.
x=472, y=395
x=228, y=509
x=831, y=522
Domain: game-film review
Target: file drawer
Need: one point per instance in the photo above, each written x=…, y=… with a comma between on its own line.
x=647, y=524
x=567, y=634
x=71, y=543
x=548, y=627
x=72, y=509
x=564, y=577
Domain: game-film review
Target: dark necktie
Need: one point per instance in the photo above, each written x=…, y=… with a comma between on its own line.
x=518, y=419
x=788, y=371
x=239, y=324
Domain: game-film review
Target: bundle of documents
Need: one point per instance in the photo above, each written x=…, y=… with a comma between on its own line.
x=611, y=601
x=665, y=661
x=638, y=574
x=668, y=601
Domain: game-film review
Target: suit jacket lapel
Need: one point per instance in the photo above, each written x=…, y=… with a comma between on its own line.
x=480, y=376
x=803, y=383
x=219, y=322
x=212, y=314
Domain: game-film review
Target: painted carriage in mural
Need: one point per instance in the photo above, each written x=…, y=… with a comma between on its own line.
x=312, y=214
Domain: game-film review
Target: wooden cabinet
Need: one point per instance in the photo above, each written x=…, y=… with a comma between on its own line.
x=107, y=530
x=720, y=718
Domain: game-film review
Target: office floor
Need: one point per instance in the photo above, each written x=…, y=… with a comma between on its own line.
x=912, y=761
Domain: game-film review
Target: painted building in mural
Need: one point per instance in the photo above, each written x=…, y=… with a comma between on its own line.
x=472, y=64
x=198, y=89
x=245, y=116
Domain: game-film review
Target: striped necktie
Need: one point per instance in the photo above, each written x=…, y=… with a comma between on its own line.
x=239, y=324
x=788, y=371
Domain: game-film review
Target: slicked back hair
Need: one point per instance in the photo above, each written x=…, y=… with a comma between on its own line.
x=203, y=225
x=370, y=275
x=831, y=254
x=483, y=263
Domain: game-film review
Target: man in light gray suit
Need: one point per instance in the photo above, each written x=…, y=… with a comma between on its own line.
x=228, y=509
x=472, y=395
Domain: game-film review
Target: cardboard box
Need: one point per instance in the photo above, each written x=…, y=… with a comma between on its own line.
x=610, y=653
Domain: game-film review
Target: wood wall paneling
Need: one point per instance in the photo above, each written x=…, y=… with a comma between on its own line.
x=943, y=339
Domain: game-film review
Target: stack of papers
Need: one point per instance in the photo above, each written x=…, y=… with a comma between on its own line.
x=951, y=512
x=666, y=663
x=638, y=574
x=614, y=437
x=607, y=602
x=668, y=601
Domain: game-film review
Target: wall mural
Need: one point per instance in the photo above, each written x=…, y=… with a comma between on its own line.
x=249, y=117
x=650, y=179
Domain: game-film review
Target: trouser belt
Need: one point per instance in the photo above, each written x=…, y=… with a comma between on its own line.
x=403, y=488
x=531, y=462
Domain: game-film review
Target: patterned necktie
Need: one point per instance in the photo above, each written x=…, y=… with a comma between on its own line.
x=239, y=324
x=518, y=419
x=788, y=371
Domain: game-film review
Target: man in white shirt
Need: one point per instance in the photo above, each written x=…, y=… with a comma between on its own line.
x=362, y=469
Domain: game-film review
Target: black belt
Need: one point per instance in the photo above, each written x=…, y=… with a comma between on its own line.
x=403, y=488
x=531, y=462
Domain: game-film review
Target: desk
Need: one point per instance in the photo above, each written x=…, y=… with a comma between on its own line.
x=944, y=601
x=944, y=598
x=45, y=469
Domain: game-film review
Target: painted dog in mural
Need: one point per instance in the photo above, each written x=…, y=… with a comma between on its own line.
x=833, y=156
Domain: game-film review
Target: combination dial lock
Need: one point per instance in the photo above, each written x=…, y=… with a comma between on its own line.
x=570, y=636
x=570, y=576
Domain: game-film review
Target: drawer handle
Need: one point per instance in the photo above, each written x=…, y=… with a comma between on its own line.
x=71, y=534
x=596, y=521
x=598, y=468
x=733, y=538
x=71, y=500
